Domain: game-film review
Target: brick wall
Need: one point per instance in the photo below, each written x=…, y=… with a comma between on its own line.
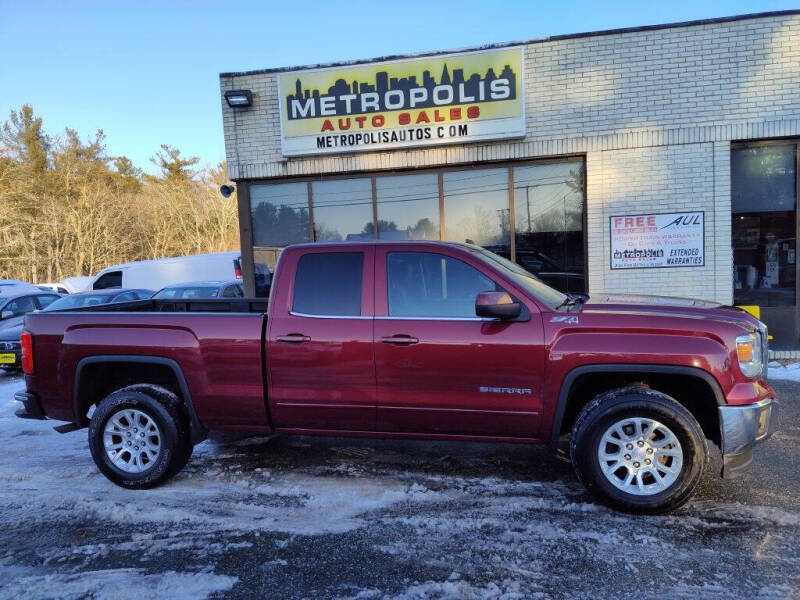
x=653, y=111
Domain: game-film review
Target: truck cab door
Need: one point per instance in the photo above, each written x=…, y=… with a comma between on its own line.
x=320, y=357
x=439, y=367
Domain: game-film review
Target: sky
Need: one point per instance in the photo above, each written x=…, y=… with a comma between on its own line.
x=147, y=72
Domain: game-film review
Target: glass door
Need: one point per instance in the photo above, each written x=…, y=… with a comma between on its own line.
x=764, y=236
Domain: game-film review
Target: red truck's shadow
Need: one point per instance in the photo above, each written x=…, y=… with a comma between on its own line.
x=517, y=462
x=428, y=461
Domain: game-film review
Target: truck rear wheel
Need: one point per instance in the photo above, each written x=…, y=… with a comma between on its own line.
x=139, y=437
x=638, y=450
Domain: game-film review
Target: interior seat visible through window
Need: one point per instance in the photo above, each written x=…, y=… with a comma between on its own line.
x=425, y=284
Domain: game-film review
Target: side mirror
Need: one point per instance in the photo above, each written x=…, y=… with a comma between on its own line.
x=497, y=305
x=6, y=314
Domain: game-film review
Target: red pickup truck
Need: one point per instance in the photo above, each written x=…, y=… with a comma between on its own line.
x=413, y=339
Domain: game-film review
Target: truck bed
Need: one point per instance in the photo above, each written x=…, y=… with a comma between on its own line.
x=208, y=349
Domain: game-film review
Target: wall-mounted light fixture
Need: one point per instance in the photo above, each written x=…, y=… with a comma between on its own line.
x=239, y=98
x=226, y=190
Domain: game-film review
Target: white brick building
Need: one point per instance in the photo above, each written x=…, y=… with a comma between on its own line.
x=683, y=118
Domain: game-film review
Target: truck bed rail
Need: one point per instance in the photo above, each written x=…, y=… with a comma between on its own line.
x=220, y=305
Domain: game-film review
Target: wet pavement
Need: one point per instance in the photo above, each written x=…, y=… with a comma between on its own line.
x=341, y=518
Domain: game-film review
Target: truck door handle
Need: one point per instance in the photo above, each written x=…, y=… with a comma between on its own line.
x=400, y=339
x=294, y=338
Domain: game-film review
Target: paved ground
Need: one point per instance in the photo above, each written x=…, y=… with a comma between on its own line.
x=336, y=518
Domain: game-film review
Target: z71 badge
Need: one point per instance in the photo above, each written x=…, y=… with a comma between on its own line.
x=569, y=320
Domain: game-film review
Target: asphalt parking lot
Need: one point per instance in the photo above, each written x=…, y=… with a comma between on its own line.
x=345, y=518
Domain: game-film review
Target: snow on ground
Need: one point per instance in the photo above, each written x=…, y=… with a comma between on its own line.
x=120, y=584
x=790, y=372
x=334, y=518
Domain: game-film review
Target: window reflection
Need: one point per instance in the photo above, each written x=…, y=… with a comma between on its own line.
x=548, y=223
x=408, y=207
x=280, y=214
x=342, y=209
x=764, y=207
x=476, y=207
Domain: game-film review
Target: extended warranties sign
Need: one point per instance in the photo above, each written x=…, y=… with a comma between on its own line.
x=455, y=98
x=661, y=240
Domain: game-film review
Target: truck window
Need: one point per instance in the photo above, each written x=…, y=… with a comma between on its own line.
x=328, y=284
x=425, y=284
x=110, y=280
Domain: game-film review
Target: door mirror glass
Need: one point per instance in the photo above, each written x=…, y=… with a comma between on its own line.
x=497, y=305
x=6, y=314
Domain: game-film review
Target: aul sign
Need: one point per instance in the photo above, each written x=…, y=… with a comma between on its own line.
x=665, y=240
x=456, y=98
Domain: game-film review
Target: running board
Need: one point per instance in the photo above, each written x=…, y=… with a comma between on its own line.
x=67, y=427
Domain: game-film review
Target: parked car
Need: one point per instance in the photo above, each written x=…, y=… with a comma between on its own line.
x=13, y=307
x=53, y=287
x=262, y=276
x=202, y=289
x=99, y=298
x=79, y=283
x=12, y=286
x=159, y=273
x=430, y=340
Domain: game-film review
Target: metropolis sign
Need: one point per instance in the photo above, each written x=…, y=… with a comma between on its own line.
x=444, y=99
x=662, y=240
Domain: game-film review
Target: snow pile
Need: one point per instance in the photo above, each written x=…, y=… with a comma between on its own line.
x=790, y=372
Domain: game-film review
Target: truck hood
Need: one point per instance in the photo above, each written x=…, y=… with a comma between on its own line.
x=668, y=306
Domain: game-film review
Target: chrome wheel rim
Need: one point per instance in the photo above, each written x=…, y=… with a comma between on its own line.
x=640, y=456
x=132, y=440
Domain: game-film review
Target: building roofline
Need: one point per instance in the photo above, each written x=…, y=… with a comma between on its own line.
x=553, y=38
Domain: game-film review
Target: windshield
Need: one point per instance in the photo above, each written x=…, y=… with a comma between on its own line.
x=188, y=292
x=79, y=301
x=540, y=290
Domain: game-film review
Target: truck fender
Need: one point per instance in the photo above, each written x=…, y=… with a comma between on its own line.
x=569, y=380
x=197, y=431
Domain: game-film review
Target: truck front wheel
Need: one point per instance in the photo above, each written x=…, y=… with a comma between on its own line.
x=638, y=450
x=138, y=437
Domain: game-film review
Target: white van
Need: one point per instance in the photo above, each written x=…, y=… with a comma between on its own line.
x=161, y=272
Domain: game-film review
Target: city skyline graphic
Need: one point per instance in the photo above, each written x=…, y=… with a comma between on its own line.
x=383, y=83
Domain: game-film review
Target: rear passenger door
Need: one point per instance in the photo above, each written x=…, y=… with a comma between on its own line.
x=320, y=350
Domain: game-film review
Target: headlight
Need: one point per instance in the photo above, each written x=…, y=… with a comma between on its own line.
x=748, y=351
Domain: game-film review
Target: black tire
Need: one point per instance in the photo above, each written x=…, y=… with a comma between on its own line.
x=611, y=407
x=165, y=409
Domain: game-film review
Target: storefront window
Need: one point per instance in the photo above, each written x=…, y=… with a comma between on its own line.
x=548, y=213
x=408, y=207
x=342, y=209
x=476, y=208
x=280, y=214
x=764, y=235
x=548, y=223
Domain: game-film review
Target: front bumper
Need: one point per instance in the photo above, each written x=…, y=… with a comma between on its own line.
x=741, y=428
x=31, y=409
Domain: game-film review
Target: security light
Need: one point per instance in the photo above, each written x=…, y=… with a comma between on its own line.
x=226, y=190
x=239, y=98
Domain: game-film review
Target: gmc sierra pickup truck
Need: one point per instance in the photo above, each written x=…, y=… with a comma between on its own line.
x=413, y=339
